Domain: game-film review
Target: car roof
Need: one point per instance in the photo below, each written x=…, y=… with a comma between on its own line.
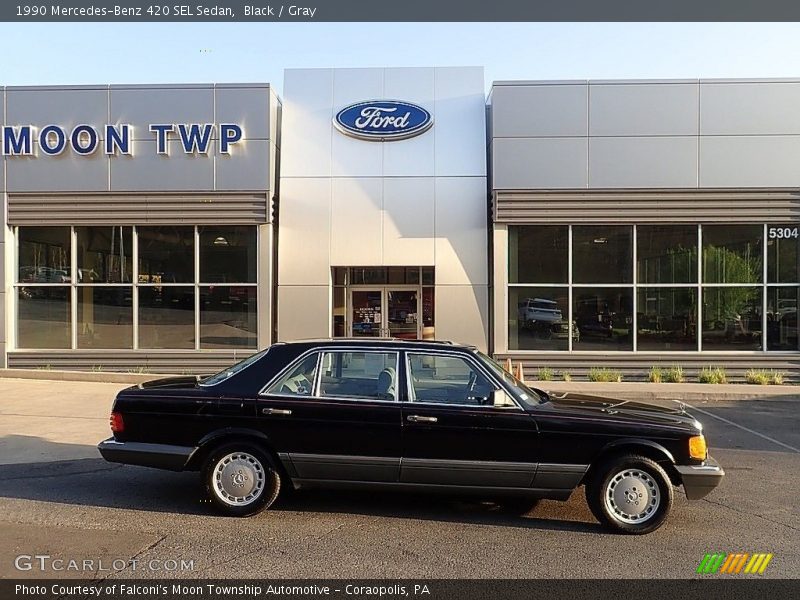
x=371, y=342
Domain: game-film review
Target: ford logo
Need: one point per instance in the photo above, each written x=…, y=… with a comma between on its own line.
x=383, y=120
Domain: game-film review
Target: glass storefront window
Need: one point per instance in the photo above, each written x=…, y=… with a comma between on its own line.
x=666, y=318
x=166, y=254
x=602, y=254
x=538, y=254
x=104, y=254
x=166, y=317
x=44, y=255
x=105, y=317
x=43, y=317
x=538, y=318
x=733, y=253
x=782, y=328
x=428, y=312
x=228, y=254
x=228, y=317
x=732, y=318
x=339, y=312
x=603, y=317
x=783, y=253
x=666, y=254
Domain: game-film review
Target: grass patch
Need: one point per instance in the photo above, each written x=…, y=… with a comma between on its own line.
x=763, y=377
x=604, y=375
x=566, y=376
x=656, y=375
x=545, y=374
x=674, y=374
x=712, y=375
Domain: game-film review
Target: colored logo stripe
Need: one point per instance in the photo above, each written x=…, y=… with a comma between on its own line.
x=722, y=562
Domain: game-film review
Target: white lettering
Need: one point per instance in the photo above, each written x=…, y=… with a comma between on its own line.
x=374, y=118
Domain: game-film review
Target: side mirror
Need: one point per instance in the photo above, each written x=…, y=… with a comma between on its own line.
x=501, y=399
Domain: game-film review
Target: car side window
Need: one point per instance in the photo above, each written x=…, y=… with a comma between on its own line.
x=368, y=375
x=299, y=381
x=447, y=380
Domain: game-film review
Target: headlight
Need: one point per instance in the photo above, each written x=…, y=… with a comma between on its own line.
x=697, y=447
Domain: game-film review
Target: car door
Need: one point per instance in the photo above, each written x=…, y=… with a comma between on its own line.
x=461, y=428
x=334, y=415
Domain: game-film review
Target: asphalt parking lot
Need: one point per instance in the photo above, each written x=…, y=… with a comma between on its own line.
x=58, y=499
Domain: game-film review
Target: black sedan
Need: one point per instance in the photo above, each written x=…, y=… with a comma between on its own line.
x=408, y=415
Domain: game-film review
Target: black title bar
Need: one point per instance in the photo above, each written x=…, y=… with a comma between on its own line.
x=404, y=11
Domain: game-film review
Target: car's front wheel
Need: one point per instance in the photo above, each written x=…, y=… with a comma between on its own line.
x=630, y=494
x=241, y=480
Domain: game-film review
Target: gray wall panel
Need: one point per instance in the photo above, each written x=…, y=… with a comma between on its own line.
x=647, y=206
x=249, y=107
x=540, y=111
x=519, y=163
x=635, y=366
x=58, y=106
x=143, y=106
x=749, y=108
x=136, y=361
x=132, y=209
x=66, y=172
x=148, y=171
x=246, y=168
x=750, y=161
x=642, y=162
x=643, y=109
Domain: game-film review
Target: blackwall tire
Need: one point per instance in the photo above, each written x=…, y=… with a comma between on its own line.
x=241, y=480
x=630, y=494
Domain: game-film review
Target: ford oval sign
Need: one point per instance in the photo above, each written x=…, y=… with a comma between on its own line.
x=383, y=120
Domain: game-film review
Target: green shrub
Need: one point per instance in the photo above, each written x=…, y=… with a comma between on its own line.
x=655, y=375
x=764, y=377
x=566, y=375
x=604, y=375
x=757, y=377
x=674, y=374
x=545, y=374
x=712, y=375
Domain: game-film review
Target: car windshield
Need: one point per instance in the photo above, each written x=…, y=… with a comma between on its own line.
x=230, y=371
x=527, y=395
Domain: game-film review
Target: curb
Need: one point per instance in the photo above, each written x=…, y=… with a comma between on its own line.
x=682, y=392
x=87, y=376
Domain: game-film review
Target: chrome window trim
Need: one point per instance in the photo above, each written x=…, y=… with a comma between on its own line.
x=470, y=359
x=321, y=350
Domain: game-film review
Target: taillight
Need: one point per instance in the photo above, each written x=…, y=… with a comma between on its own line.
x=117, y=424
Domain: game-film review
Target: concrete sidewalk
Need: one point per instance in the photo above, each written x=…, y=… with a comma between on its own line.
x=682, y=392
x=43, y=421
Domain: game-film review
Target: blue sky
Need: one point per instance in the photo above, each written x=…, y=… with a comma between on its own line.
x=247, y=52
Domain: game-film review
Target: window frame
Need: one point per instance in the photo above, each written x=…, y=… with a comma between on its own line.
x=73, y=286
x=476, y=366
x=264, y=393
x=699, y=286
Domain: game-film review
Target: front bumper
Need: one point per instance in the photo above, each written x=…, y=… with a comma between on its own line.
x=700, y=480
x=159, y=456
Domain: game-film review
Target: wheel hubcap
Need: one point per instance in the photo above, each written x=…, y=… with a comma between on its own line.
x=632, y=496
x=238, y=479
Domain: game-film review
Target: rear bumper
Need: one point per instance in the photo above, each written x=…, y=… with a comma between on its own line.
x=159, y=456
x=700, y=480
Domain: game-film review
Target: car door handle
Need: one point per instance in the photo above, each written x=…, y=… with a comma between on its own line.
x=276, y=411
x=421, y=419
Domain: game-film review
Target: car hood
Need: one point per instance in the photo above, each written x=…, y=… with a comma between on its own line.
x=181, y=382
x=666, y=414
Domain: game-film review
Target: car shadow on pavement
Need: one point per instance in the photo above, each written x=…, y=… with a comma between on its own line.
x=95, y=482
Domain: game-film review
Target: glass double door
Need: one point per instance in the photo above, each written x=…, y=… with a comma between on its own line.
x=386, y=311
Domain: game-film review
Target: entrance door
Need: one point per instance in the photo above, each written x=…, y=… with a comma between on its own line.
x=391, y=311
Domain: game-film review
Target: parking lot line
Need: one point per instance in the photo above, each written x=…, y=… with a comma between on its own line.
x=742, y=427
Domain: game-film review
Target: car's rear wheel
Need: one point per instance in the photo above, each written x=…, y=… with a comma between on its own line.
x=630, y=494
x=241, y=480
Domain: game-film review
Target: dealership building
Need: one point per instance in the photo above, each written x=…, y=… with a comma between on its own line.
x=567, y=224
